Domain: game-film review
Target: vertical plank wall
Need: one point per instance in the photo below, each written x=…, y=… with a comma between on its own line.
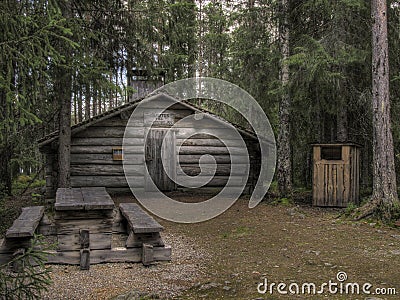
x=336, y=182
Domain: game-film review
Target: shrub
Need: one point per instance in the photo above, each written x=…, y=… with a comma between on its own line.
x=31, y=277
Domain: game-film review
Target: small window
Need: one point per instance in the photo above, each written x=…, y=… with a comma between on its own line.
x=117, y=154
x=331, y=153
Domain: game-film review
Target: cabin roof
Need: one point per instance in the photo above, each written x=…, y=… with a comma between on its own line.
x=48, y=139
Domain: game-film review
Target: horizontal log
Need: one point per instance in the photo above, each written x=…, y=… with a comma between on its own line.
x=211, y=150
x=207, y=142
x=106, y=141
x=112, y=132
x=225, y=133
x=216, y=181
x=114, y=255
x=84, y=215
x=104, y=159
x=47, y=230
x=220, y=159
x=119, y=190
x=222, y=169
x=93, y=225
x=106, y=181
x=106, y=149
x=111, y=170
x=70, y=242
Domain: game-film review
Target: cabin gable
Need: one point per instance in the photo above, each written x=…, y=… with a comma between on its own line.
x=96, y=150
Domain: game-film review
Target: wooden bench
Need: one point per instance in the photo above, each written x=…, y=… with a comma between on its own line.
x=143, y=230
x=18, y=236
x=27, y=222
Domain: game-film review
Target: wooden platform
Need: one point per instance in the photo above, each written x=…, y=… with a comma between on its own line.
x=86, y=225
x=89, y=198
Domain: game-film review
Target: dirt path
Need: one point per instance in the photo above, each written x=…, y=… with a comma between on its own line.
x=227, y=257
x=291, y=245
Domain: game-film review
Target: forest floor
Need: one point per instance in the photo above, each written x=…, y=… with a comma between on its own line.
x=229, y=256
x=290, y=244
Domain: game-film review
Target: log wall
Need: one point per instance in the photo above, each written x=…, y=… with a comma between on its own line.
x=92, y=162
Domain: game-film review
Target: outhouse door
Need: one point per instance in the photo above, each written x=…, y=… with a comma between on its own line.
x=156, y=152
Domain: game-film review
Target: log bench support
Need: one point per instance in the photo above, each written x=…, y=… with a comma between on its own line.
x=84, y=239
x=18, y=237
x=143, y=231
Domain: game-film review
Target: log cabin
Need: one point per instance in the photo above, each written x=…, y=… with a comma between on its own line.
x=97, y=149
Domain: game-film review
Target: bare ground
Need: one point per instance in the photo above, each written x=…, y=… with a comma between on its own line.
x=228, y=256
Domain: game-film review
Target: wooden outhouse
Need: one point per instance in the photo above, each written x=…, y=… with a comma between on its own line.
x=97, y=149
x=336, y=172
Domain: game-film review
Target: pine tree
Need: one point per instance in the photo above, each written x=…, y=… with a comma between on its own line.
x=384, y=200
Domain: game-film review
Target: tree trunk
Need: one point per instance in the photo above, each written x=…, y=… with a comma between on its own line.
x=64, y=91
x=87, y=103
x=384, y=201
x=341, y=121
x=80, y=117
x=5, y=168
x=284, y=150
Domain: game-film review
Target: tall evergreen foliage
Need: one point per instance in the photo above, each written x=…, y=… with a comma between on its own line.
x=101, y=43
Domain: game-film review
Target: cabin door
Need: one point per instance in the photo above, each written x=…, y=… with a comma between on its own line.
x=156, y=151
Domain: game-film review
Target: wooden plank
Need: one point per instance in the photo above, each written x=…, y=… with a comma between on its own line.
x=106, y=181
x=190, y=150
x=104, y=159
x=112, y=132
x=92, y=149
x=207, y=169
x=334, y=186
x=93, y=225
x=69, y=199
x=92, y=169
x=207, y=142
x=139, y=220
x=84, y=259
x=220, y=159
x=316, y=175
x=219, y=132
x=236, y=181
x=135, y=240
x=357, y=179
x=147, y=254
x=114, y=255
x=340, y=190
x=84, y=215
x=156, y=149
x=84, y=238
x=96, y=198
x=70, y=242
x=26, y=224
x=102, y=141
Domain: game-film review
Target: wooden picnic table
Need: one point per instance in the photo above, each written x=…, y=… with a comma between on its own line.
x=85, y=198
x=89, y=230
